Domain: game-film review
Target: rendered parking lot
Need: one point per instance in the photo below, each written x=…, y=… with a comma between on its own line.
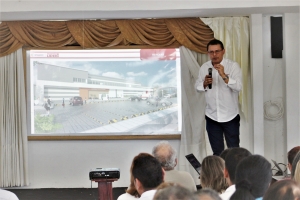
x=115, y=116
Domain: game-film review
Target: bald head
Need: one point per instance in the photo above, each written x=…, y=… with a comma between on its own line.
x=164, y=150
x=165, y=154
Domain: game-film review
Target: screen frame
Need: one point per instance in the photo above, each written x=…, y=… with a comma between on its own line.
x=37, y=137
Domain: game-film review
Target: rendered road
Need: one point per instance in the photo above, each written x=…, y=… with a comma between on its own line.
x=90, y=117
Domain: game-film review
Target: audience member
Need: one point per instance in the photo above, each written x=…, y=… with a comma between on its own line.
x=207, y=194
x=211, y=175
x=296, y=168
x=291, y=155
x=234, y=156
x=131, y=192
x=7, y=195
x=147, y=175
x=174, y=192
x=283, y=190
x=252, y=177
x=166, y=184
x=167, y=157
x=224, y=153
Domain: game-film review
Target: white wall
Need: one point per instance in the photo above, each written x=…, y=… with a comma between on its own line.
x=279, y=80
x=273, y=84
x=66, y=164
x=256, y=69
x=292, y=89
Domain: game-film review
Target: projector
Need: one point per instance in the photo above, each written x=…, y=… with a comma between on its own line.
x=104, y=173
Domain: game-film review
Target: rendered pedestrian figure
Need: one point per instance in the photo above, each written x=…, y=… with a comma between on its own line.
x=47, y=106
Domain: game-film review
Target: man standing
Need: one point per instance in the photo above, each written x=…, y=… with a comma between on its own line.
x=221, y=92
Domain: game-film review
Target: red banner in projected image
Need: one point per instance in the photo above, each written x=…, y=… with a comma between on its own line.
x=158, y=54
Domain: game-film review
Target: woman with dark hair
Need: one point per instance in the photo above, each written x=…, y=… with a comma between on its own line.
x=211, y=175
x=284, y=189
x=253, y=176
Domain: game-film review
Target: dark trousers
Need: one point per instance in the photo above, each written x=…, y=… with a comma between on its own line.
x=230, y=129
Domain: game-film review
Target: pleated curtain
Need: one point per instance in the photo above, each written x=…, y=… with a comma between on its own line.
x=13, y=127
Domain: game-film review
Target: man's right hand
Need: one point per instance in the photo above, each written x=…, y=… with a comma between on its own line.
x=208, y=80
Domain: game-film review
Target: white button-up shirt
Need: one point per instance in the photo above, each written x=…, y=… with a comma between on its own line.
x=148, y=195
x=228, y=193
x=222, y=99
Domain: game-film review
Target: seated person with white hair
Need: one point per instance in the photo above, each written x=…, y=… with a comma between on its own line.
x=166, y=155
x=174, y=192
x=207, y=194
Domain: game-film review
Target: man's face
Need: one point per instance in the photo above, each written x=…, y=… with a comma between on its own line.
x=215, y=53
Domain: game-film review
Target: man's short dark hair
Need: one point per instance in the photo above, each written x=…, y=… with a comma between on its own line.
x=233, y=157
x=224, y=153
x=215, y=42
x=147, y=170
x=292, y=153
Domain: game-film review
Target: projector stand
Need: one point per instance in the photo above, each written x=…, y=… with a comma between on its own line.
x=105, y=188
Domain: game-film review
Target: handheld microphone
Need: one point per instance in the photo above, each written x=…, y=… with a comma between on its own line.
x=210, y=74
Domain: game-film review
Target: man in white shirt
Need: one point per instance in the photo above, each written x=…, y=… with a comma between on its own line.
x=221, y=92
x=167, y=157
x=233, y=157
x=147, y=174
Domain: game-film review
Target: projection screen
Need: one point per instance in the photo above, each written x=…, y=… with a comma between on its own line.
x=104, y=92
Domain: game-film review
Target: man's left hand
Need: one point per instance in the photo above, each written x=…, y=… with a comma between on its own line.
x=220, y=69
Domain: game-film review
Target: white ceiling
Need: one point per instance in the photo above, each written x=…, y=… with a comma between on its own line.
x=75, y=10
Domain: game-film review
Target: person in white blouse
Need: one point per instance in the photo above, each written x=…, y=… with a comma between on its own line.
x=7, y=195
x=221, y=89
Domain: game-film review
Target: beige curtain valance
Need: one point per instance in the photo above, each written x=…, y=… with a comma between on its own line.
x=189, y=32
